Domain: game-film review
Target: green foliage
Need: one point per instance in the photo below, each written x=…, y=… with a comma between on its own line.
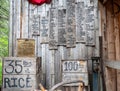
x=4, y=17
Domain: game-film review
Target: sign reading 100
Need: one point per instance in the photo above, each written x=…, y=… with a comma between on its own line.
x=72, y=66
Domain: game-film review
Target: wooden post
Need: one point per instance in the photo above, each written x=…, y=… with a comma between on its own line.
x=110, y=73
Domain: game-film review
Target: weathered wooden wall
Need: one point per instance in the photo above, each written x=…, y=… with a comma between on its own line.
x=110, y=30
x=66, y=29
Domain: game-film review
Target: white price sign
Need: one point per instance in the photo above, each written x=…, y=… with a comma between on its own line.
x=75, y=70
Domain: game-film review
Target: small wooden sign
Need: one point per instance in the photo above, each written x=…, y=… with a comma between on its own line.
x=19, y=74
x=90, y=24
x=44, y=30
x=80, y=22
x=70, y=23
x=25, y=47
x=75, y=70
x=61, y=26
x=35, y=25
x=53, y=31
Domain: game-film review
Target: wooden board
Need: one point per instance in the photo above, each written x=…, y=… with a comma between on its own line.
x=70, y=25
x=80, y=22
x=19, y=74
x=53, y=40
x=25, y=47
x=44, y=30
x=61, y=27
x=35, y=25
x=74, y=70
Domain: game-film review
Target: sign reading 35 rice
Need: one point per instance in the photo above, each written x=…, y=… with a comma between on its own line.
x=19, y=74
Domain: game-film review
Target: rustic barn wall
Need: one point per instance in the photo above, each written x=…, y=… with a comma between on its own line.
x=65, y=29
x=111, y=40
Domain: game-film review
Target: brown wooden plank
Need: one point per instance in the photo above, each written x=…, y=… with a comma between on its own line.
x=110, y=73
x=117, y=45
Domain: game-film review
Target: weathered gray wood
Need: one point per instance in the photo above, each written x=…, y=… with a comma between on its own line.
x=61, y=27
x=53, y=40
x=80, y=22
x=11, y=28
x=24, y=18
x=70, y=25
x=44, y=30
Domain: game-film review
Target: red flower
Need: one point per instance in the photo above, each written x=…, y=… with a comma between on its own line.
x=40, y=2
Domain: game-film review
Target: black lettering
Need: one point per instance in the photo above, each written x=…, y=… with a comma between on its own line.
x=14, y=82
x=10, y=66
x=6, y=82
x=19, y=83
x=27, y=82
x=70, y=66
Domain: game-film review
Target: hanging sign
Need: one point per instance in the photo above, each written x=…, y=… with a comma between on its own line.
x=90, y=24
x=70, y=24
x=35, y=25
x=25, y=48
x=53, y=31
x=44, y=23
x=61, y=26
x=80, y=22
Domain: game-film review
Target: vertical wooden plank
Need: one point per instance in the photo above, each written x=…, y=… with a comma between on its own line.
x=11, y=28
x=24, y=19
x=18, y=17
x=96, y=27
x=61, y=27
x=53, y=40
x=52, y=66
x=70, y=24
x=14, y=29
x=110, y=73
x=80, y=21
x=48, y=67
x=117, y=46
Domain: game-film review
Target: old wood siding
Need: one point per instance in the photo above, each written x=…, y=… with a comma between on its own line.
x=79, y=41
x=111, y=40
